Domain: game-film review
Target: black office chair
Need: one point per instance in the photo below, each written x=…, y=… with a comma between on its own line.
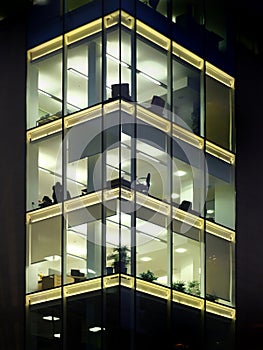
x=185, y=205
x=120, y=90
x=143, y=184
x=157, y=104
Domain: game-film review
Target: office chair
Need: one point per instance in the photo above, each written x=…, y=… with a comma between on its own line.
x=143, y=184
x=120, y=90
x=185, y=205
x=157, y=104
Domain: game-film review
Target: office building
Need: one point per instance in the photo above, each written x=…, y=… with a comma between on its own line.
x=129, y=175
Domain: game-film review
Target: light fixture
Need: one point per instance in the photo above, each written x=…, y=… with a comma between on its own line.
x=210, y=211
x=180, y=250
x=50, y=318
x=150, y=78
x=77, y=72
x=52, y=258
x=57, y=335
x=180, y=173
x=115, y=59
x=146, y=258
x=175, y=195
x=96, y=329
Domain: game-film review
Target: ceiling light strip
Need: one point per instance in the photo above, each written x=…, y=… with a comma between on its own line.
x=127, y=20
x=220, y=231
x=44, y=49
x=187, y=56
x=188, y=300
x=153, y=119
x=153, y=289
x=219, y=152
x=111, y=281
x=83, y=201
x=44, y=213
x=83, y=116
x=187, y=218
x=112, y=19
x=221, y=310
x=43, y=296
x=152, y=203
x=83, y=287
x=83, y=31
x=127, y=281
x=187, y=136
x=44, y=130
x=219, y=75
x=152, y=35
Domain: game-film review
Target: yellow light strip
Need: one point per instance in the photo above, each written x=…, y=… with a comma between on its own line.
x=153, y=289
x=111, y=19
x=153, y=119
x=83, y=287
x=127, y=281
x=219, y=75
x=83, y=31
x=152, y=203
x=221, y=310
x=43, y=296
x=188, y=299
x=111, y=194
x=187, y=136
x=187, y=218
x=127, y=20
x=187, y=56
x=83, y=116
x=44, y=130
x=220, y=153
x=220, y=231
x=83, y=201
x=111, y=281
x=126, y=194
x=45, y=49
x=152, y=35
x=44, y=213
x=111, y=107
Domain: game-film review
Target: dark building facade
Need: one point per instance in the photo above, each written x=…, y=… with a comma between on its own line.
x=125, y=182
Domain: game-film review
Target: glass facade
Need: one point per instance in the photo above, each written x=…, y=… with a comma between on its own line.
x=130, y=186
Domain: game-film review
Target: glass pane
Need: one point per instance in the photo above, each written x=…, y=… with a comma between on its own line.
x=220, y=201
x=186, y=96
x=152, y=246
x=118, y=67
x=219, y=124
x=84, y=72
x=44, y=254
x=44, y=89
x=187, y=263
x=151, y=76
x=43, y=171
x=218, y=263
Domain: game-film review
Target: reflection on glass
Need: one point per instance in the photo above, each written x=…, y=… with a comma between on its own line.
x=44, y=89
x=74, y=4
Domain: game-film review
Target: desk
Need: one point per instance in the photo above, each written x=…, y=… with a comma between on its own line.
x=53, y=281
